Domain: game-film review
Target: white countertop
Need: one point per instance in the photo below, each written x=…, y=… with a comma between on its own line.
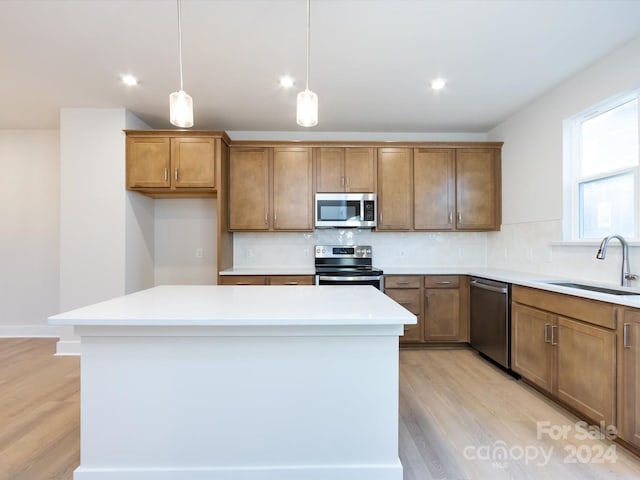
x=204, y=305
x=517, y=278
x=530, y=280
x=310, y=270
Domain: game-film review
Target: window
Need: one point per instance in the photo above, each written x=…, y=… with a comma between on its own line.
x=602, y=170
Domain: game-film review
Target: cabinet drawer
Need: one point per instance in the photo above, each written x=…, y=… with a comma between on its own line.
x=409, y=299
x=292, y=280
x=442, y=281
x=401, y=281
x=587, y=310
x=244, y=280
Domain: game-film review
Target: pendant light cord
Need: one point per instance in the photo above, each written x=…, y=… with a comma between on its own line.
x=180, y=40
x=308, y=36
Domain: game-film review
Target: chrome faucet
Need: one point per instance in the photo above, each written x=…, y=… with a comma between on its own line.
x=625, y=276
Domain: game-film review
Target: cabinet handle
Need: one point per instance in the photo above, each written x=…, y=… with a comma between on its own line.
x=546, y=332
x=459, y=217
x=342, y=183
x=291, y=283
x=404, y=303
x=443, y=283
x=380, y=218
x=403, y=283
x=176, y=174
x=266, y=218
x=450, y=217
x=426, y=299
x=625, y=335
x=166, y=174
x=243, y=283
x=554, y=335
x=347, y=181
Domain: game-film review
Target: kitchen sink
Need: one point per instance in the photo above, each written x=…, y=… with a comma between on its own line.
x=593, y=288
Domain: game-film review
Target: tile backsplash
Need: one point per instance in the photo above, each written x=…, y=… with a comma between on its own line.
x=396, y=249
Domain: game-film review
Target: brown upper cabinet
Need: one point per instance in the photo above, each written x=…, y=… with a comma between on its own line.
x=478, y=189
x=439, y=189
x=350, y=169
x=270, y=189
x=395, y=193
x=172, y=163
x=434, y=188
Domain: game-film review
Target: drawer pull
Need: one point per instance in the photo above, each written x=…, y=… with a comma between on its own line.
x=443, y=283
x=625, y=335
x=243, y=283
x=403, y=283
x=546, y=332
x=554, y=335
x=290, y=283
x=404, y=303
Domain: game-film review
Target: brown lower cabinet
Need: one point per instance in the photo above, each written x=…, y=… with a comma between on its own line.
x=568, y=349
x=439, y=301
x=267, y=280
x=629, y=377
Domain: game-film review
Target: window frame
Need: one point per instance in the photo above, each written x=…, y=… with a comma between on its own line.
x=572, y=155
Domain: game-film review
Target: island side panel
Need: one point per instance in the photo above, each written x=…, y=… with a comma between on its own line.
x=250, y=407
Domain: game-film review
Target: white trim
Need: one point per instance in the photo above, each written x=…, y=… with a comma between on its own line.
x=68, y=346
x=19, y=331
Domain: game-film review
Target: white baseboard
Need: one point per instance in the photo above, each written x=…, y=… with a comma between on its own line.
x=22, y=331
x=67, y=345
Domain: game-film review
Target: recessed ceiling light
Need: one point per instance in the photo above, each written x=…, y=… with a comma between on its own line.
x=438, y=83
x=286, y=81
x=129, y=80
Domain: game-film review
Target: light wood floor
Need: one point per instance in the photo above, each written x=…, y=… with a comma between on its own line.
x=39, y=411
x=454, y=408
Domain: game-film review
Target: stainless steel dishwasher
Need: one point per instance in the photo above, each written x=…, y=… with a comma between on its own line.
x=490, y=320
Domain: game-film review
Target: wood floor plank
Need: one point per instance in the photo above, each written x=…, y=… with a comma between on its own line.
x=466, y=409
x=455, y=410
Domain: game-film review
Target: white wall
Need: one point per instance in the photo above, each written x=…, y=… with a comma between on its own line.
x=532, y=176
x=182, y=226
x=29, y=214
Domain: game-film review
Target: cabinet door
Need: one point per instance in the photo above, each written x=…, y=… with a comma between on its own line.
x=330, y=170
x=193, y=162
x=478, y=189
x=409, y=299
x=433, y=187
x=249, y=189
x=360, y=170
x=395, y=196
x=629, y=388
x=586, y=368
x=148, y=162
x=531, y=350
x=292, y=189
x=442, y=315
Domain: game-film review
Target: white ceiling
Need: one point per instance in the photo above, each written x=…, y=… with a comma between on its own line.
x=371, y=60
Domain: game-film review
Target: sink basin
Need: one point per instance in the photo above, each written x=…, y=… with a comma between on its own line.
x=593, y=288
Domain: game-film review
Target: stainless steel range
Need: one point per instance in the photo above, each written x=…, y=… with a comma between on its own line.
x=346, y=265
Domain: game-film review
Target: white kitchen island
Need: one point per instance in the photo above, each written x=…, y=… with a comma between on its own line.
x=240, y=383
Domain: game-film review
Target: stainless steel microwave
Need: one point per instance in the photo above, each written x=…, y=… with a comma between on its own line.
x=352, y=210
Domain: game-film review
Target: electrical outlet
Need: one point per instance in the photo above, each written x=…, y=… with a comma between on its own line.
x=306, y=253
x=249, y=252
x=199, y=252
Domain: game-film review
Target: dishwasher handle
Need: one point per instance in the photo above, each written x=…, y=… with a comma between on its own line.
x=491, y=288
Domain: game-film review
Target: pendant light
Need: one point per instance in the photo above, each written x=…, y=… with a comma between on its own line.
x=180, y=103
x=307, y=112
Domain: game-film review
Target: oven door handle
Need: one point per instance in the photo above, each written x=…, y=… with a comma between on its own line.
x=349, y=279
